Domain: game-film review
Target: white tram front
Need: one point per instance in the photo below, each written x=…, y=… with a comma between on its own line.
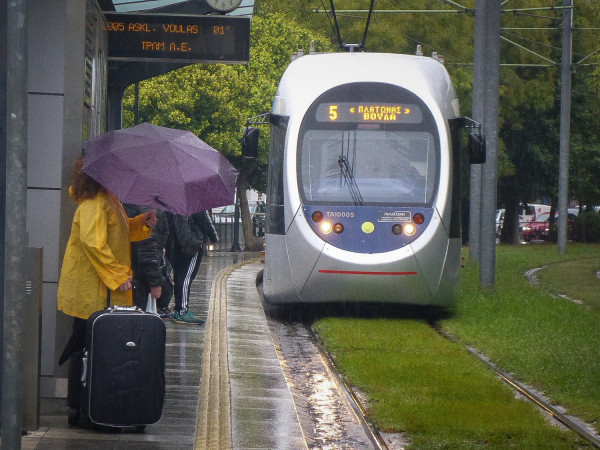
x=360, y=204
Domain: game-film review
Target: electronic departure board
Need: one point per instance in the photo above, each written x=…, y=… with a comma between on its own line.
x=178, y=38
x=368, y=112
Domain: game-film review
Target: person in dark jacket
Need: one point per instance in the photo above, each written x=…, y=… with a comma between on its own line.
x=151, y=268
x=185, y=254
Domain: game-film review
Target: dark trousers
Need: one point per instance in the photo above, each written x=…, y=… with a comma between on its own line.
x=74, y=353
x=140, y=294
x=185, y=269
x=167, y=293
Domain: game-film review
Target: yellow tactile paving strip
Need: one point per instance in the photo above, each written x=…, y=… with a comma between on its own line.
x=213, y=429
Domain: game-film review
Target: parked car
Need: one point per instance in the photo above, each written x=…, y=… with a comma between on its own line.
x=528, y=213
x=539, y=229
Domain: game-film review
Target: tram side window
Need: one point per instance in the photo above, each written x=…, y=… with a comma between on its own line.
x=274, y=216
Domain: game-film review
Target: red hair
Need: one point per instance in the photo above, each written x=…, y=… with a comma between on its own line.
x=83, y=186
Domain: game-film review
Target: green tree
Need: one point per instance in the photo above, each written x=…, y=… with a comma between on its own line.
x=585, y=127
x=530, y=112
x=528, y=124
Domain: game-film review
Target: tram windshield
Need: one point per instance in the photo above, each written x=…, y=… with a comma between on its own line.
x=367, y=166
x=368, y=143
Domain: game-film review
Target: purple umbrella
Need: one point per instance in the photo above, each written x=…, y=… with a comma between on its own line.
x=162, y=168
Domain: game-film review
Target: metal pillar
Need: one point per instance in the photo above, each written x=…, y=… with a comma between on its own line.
x=15, y=239
x=489, y=172
x=565, y=126
x=236, y=227
x=478, y=107
x=3, y=146
x=136, y=104
x=32, y=337
x=115, y=102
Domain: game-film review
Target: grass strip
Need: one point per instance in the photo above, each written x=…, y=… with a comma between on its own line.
x=550, y=343
x=578, y=278
x=433, y=389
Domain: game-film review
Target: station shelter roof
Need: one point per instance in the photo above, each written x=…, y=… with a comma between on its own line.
x=170, y=6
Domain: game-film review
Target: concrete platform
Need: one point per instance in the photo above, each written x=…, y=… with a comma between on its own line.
x=225, y=386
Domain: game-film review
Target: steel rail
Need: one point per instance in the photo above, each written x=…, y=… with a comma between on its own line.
x=353, y=400
x=526, y=392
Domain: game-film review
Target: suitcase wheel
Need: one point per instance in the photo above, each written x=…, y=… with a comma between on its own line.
x=73, y=416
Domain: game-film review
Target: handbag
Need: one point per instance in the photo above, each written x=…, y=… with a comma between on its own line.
x=151, y=305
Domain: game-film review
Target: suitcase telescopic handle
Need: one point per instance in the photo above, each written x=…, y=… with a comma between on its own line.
x=119, y=308
x=126, y=308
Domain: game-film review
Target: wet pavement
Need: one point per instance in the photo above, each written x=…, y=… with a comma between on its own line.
x=236, y=382
x=327, y=418
x=183, y=369
x=262, y=407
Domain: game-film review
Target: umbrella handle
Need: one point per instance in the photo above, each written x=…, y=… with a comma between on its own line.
x=160, y=202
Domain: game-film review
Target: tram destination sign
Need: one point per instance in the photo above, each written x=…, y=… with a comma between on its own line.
x=178, y=38
x=368, y=112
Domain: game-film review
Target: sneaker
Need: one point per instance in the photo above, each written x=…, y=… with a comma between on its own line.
x=188, y=317
x=165, y=313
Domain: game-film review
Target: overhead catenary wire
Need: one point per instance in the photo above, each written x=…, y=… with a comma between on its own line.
x=527, y=50
x=364, y=39
x=343, y=45
x=336, y=25
x=460, y=9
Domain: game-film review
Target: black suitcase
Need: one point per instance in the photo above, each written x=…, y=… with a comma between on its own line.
x=125, y=375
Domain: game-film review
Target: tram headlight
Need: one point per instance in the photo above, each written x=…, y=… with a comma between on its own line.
x=409, y=229
x=317, y=216
x=397, y=229
x=325, y=227
x=338, y=228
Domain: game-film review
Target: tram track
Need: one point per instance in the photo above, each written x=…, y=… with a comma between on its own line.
x=332, y=414
x=351, y=396
x=381, y=442
x=572, y=423
x=583, y=430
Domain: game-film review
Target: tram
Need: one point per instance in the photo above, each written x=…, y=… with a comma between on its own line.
x=362, y=197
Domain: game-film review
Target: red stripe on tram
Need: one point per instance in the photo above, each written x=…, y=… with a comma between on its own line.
x=358, y=272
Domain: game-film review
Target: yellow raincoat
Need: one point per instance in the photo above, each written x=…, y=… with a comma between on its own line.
x=98, y=255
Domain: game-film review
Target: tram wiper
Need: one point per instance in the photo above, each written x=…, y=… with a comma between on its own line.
x=350, y=181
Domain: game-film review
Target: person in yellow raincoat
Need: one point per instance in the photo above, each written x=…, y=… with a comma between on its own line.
x=97, y=257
